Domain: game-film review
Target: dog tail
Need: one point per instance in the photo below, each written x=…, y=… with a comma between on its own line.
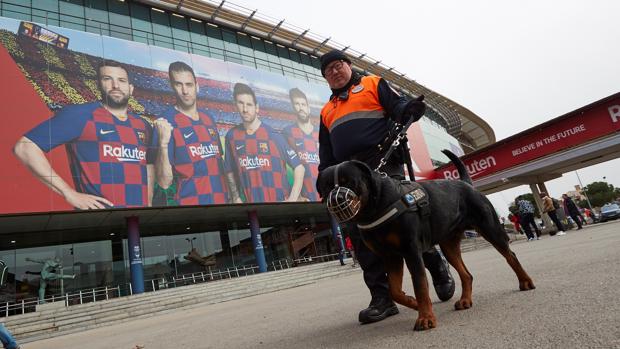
x=460, y=167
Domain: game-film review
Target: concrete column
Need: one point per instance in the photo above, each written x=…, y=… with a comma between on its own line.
x=536, y=192
x=135, y=255
x=259, y=251
x=337, y=235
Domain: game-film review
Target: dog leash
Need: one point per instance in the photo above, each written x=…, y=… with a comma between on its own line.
x=401, y=133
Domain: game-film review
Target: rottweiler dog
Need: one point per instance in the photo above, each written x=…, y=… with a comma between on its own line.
x=427, y=213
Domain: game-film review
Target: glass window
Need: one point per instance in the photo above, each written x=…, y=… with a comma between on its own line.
x=120, y=22
x=72, y=8
x=97, y=27
x=161, y=23
x=140, y=19
x=118, y=7
x=181, y=45
x=45, y=17
x=92, y=264
x=179, y=28
x=15, y=14
x=21, y=3
x=96, y=10
x=48, y=5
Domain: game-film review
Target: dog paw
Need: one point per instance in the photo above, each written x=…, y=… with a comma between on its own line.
x=526, y=285
x=424, y=323
x=463, y=304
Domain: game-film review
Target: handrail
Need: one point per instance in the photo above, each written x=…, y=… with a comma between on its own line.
x=97, y=294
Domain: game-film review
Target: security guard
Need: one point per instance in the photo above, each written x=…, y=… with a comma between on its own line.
x=354, y=125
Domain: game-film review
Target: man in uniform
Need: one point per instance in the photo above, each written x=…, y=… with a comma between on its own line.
x=354, y=121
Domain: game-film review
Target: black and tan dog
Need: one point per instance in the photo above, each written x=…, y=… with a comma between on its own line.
x=399, y=221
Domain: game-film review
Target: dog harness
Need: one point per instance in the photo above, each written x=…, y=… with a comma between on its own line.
x=414, y=198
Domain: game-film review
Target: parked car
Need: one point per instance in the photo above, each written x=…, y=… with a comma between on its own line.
x=609, y=212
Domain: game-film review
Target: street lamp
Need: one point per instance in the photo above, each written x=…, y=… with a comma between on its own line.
x=191, y=241
x=583, y=190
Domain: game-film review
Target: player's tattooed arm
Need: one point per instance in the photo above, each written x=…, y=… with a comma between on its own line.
x=150, y=178
x=298, y=182
x=163, y=168
x=232, y=186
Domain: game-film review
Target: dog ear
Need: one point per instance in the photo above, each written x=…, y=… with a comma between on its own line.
x=372, y=183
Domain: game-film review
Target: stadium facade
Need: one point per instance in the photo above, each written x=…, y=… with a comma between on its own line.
x=50, y=55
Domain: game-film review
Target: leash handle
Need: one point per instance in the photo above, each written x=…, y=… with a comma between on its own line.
x=402, y=133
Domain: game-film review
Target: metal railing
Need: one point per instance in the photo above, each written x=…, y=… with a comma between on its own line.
x=29, y=305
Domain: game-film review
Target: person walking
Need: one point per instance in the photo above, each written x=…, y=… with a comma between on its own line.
x=514, y=218
x=571, y=209
x=550, y=209
x=355, y=123
x=349, y=247
x=526, y=216
x=8, y=342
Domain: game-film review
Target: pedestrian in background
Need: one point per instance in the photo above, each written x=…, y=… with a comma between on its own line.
x=526, y=215
x=572, y=210
x=349, y=246
x=514, y=218
x=8, y=342
x=550, y=209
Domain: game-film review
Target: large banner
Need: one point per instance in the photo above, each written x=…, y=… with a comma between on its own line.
x=92, y=122
x=96, y=122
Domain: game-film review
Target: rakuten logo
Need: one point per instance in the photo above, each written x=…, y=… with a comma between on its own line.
x=253, y=163
x=614, y=112
x=122, y=153
x=204, y=151
x=312, y=158
x=473, y=169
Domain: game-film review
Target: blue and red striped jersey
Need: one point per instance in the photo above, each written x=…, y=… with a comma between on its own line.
x=259, y=162
x=307, y=148
x=196, y=155
x=107, y=156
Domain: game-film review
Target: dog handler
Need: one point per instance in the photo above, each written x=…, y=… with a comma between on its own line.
x=354, y=122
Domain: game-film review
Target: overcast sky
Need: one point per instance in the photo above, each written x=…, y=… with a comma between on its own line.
x=515, y=64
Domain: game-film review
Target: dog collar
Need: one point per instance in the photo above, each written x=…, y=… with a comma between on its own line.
x=414, y=199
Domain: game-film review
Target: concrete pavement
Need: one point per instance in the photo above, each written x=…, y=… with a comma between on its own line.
x=575, y=305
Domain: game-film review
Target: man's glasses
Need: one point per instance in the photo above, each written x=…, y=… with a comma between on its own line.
x=334, y=68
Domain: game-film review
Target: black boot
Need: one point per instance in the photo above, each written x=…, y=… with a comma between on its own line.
x=440, y=271
x=378, y=309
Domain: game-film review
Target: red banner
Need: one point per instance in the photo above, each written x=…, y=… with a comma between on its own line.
x=559, y=134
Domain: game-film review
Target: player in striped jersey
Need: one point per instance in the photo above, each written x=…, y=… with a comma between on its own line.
x=303, y=137
x=256, y=156
x=189, y=147
x=107, y=148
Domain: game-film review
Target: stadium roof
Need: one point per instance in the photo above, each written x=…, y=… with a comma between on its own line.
x=471, y=130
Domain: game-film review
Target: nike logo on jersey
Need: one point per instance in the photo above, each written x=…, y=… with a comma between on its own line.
x=299, y=144
x=105, y=132
x=186, y=136
x=239, y=146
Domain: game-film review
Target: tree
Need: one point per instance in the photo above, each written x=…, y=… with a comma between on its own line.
x=600, y=193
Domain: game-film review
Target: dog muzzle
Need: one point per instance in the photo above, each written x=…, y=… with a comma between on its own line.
x=343, y=203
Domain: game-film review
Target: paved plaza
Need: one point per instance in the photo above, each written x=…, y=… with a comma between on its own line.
x=575, y=305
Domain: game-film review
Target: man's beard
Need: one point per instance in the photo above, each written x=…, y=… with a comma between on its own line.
x=185, y=105
x=303, y=117
x=116, y=104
